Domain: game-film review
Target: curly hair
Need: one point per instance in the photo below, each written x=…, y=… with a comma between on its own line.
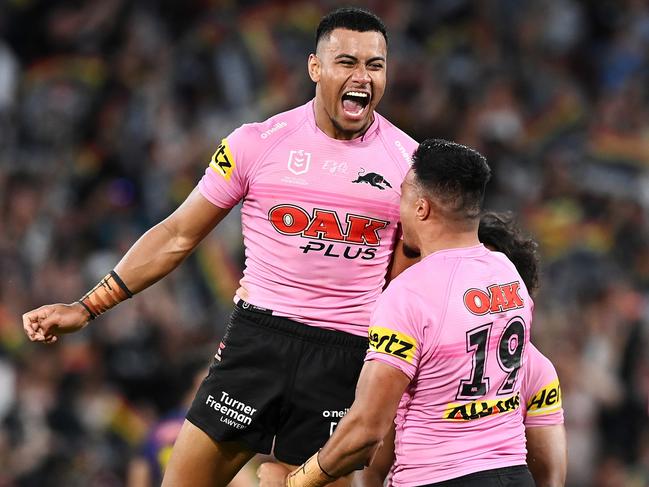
x=499, y=232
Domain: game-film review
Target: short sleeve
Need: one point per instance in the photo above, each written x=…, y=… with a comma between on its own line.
x=395, y=333
x=541, y=391
x=225, y=180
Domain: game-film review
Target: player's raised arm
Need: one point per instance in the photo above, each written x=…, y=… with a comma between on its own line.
x=167, y=244
x=152, y=257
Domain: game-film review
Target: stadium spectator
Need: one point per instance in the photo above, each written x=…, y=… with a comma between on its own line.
x=111, y=125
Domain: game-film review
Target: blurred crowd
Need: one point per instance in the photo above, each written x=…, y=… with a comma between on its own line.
x=111, y=109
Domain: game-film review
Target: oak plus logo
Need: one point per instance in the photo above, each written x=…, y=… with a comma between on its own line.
x=299, y=161
x=496, y=299
x=357, y=237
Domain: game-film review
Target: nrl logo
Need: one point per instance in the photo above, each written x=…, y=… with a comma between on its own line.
x=373, y=179
x=299, y=161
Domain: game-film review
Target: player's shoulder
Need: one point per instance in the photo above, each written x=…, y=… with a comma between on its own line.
x=396, y=140
x=414, y=282
x=273, y=128
x=390, y=129
x=537, y=362
x=501, y=259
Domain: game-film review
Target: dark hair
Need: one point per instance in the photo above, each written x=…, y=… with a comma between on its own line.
x=351, y=18
x=499, y=232
x=454, y=175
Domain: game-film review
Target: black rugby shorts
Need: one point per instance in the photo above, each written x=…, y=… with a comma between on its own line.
x=276, y=380
x=517, y=476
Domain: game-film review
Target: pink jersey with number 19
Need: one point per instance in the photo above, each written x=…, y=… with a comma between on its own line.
x=319, y=215
x=458, y=325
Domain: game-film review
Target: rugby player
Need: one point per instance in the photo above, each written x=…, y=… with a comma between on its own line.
x=320, y=187
x=448, y=338
x=540, y=390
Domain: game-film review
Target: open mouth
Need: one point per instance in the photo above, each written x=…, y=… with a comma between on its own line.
x=355, y=103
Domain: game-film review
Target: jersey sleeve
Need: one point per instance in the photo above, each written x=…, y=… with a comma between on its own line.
x=225, y=181
x=541, y=391
x=395, y=335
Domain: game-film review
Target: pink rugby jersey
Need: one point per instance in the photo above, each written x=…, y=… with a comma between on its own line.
x=457, y=324
x=540, y=391
x=319, y=215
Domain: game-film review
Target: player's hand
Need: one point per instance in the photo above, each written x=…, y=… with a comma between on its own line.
x=272, y=474
x=46, y=323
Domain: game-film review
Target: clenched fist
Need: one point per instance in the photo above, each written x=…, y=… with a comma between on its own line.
x=46, y=323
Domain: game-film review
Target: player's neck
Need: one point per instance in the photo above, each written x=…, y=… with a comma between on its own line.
x=435, y=239
x=330, y=128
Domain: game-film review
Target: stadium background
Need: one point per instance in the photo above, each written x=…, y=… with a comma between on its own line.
x=110, y=110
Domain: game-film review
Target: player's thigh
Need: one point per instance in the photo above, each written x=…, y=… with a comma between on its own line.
x=341, y=482
x=199, y=461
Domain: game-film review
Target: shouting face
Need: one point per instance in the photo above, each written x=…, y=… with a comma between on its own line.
x=349, y=69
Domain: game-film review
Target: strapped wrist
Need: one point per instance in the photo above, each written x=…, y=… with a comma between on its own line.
x=309, y=474
x=108, y=292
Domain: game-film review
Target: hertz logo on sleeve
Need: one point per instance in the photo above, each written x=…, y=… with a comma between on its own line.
x=222, y=161
x=546, y=400
x=384, y=340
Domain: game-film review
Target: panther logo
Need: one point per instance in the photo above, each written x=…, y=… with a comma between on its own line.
x=373, y=179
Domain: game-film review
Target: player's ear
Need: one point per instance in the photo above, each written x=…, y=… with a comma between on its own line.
x=313, y=66
x=423, y=208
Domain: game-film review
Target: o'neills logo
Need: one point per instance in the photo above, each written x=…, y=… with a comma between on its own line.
x=481, y=409
x=233, y=413
x=273, y=129
x=496, y=299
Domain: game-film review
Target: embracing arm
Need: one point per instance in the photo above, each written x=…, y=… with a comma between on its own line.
x=359, y=434
x=547, y=454
x=376, y=472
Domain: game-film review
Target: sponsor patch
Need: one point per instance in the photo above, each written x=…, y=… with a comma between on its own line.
x=496, y=299
x=222, y=161
x=400, y=345
x=546, y=401
x=231, y=411
x=481, y=409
